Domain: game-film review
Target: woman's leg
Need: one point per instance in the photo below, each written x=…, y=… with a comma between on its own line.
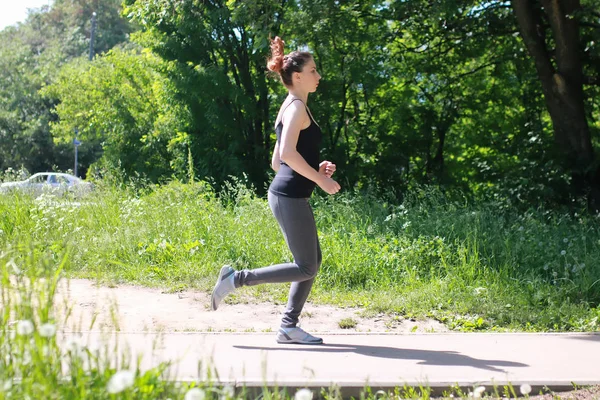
x=296, y=220
x=299, y=292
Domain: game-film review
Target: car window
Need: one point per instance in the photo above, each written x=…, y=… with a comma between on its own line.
x=63, y=180
x=38, y=179
x=52, y=179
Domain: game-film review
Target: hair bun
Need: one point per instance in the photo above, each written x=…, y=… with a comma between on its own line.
x=275, y=63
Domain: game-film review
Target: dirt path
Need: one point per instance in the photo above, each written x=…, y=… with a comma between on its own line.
x=142, y=309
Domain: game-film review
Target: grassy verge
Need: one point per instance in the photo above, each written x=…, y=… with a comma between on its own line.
x=475, y=266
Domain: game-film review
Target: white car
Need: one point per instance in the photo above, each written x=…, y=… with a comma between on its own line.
x=53, y=182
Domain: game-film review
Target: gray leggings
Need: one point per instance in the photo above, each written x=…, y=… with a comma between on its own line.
x=297, y=223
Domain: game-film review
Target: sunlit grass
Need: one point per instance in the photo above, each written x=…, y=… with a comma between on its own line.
x=471, y=265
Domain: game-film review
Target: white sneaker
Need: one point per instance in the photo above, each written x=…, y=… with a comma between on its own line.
x=296, y=335
x=223, y=287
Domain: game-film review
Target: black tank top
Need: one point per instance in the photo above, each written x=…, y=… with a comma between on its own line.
x=288, y=182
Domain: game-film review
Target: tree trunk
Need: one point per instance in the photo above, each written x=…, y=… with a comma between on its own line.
x=562, y=83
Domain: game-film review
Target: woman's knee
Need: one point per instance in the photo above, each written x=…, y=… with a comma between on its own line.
x=310, y=270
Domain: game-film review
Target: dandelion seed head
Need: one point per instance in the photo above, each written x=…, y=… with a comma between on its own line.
x=24, y=327
x=565, y=240
x=228, y=392
x=74, y=344
x=120, y=381
x=563, y=252
x=525, y=389
x=47, y=330
x=303, y=394
x=195, y=394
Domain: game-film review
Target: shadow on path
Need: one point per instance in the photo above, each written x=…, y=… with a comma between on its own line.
x=427, y=357
x=592, y=337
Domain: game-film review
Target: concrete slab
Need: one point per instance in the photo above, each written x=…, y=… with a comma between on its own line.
x=378, y=360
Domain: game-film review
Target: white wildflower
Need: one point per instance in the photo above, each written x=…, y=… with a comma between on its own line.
x=195, y=394
x=563, y=252
x=74, y=344
x=26, y=358
x=525, y=389
x=24, y=327
x=565, y=240
x=120, y=381
x=12, y=265
x=228, y=392
x=7, y=385
x=478, y=391
x=47, y=330
x=303, y=394
x=480, y=290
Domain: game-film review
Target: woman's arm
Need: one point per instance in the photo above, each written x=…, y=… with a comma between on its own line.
x=295, y=117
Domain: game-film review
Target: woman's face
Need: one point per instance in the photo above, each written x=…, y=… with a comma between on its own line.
x=309, y=78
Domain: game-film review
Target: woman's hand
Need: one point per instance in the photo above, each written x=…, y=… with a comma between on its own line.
x=329, y=185
x=327, y=168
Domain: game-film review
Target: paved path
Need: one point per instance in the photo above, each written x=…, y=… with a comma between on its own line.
x=379, y=360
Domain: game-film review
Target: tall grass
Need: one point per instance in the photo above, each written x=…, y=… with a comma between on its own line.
x=469, y=265
x=472, y=265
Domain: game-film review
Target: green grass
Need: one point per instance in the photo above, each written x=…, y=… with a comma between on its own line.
x=347, y=323
x=36, y=364
x=471, y=265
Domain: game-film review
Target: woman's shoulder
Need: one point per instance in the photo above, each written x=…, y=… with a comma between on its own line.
x=295, y=109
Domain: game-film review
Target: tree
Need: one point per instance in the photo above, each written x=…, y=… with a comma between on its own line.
x=123, y=103
x=551, y=31
x=31, y=56
x=219, y=49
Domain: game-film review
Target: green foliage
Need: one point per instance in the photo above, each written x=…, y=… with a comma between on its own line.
x=219, y=75
x=412, y=93
x=123, y=103
x=31, y=56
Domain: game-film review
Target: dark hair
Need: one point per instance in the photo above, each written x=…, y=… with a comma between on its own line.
x=286, y=65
